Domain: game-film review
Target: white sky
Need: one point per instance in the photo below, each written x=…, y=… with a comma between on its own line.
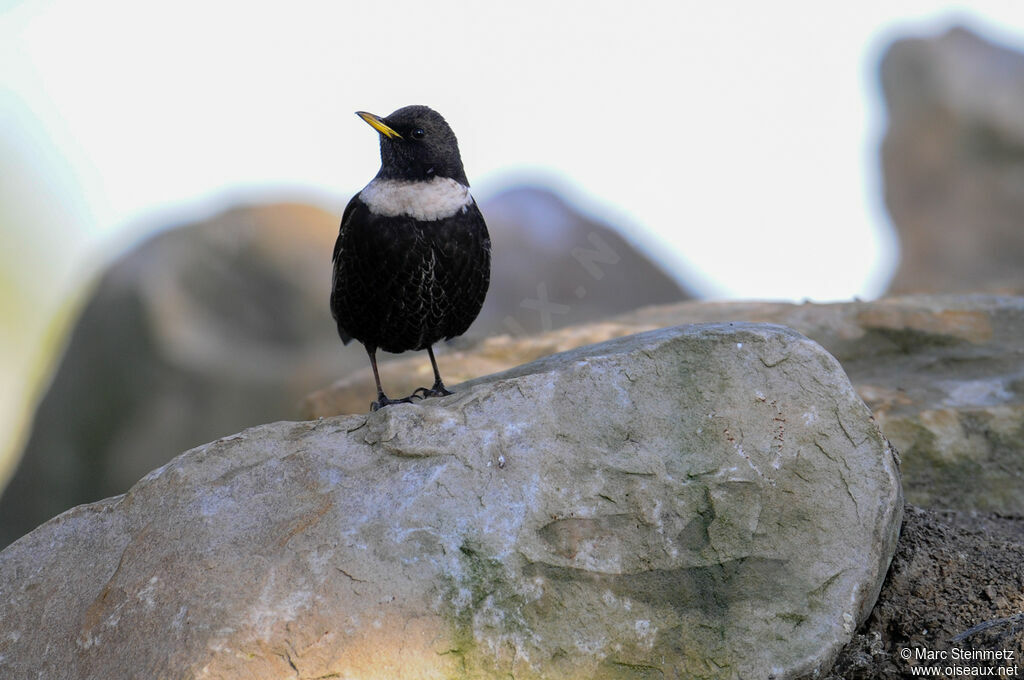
x=737, y=139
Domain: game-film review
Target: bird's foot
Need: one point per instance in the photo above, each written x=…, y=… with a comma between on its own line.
x=438, y=390
x=383, y=400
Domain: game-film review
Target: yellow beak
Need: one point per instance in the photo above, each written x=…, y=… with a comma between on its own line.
x=377, y=124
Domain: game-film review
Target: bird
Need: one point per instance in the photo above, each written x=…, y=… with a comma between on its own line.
x=412, y=262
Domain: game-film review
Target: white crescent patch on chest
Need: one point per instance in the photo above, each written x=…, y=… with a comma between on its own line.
x=427, y=200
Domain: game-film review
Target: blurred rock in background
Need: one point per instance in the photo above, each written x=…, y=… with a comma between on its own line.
x=953, y=159
x=554, y=267
x=209, y=328
x=197, y=332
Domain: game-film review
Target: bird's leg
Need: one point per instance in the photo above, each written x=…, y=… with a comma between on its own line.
x=382, y=399
x=438, y=390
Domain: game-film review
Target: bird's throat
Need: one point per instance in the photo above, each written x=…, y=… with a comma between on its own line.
x=427, y=200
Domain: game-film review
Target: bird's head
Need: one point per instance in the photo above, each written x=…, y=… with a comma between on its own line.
x=416, y=143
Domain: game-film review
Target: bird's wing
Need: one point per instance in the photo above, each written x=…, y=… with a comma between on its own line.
x=345, y=218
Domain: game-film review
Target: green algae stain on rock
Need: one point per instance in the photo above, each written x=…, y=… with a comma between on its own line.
x=485, y=613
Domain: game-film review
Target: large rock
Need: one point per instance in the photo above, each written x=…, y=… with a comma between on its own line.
x=953, y=159
x=708, y=502
x=944, y=376
x=208, y=328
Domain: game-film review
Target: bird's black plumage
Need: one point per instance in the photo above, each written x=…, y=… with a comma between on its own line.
x=412, y=259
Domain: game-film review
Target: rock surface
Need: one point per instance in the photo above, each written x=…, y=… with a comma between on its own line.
x=944, y=376
x=215, y=326
x=711, y=501
x=953, y=160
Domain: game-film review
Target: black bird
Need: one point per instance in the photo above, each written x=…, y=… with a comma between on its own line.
x=413, y=258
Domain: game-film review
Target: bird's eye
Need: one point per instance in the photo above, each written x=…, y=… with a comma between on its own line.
x=419, y=133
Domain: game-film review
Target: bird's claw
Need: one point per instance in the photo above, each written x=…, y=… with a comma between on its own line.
x=420, y=393
x=435, y=391
x=383, y=401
